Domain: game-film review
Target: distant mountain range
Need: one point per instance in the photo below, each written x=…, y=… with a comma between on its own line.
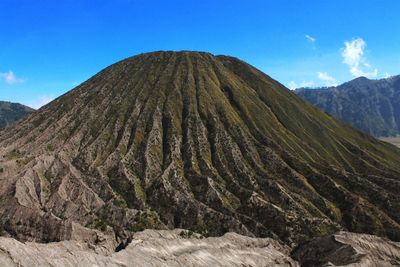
x=12, y=112
x=372, y=106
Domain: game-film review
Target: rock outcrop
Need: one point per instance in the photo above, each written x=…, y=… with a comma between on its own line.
x=348, y=249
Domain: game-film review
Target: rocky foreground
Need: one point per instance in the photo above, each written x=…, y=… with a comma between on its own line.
x=185, y=248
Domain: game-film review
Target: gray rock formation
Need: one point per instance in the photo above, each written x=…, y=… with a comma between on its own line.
x=185, y=248
x=152, y=248
x=348, y=249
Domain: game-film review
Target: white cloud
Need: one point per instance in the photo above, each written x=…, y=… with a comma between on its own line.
x=327, y=79
x=293, y=85
x=310, y=38
x=353, y=56
x=387, y=75
x=323, y=76
x=41, y=101
x=307, y=84
x=10, y=78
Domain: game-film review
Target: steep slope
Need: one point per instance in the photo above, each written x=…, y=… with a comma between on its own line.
x=372, y=106
x=12, y=112
x=195, y=141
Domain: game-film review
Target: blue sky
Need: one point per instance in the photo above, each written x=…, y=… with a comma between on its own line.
x=49, y=47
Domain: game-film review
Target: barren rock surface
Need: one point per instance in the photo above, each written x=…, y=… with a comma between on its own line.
x=152, y=248
x=348, y=249
x=184, y=248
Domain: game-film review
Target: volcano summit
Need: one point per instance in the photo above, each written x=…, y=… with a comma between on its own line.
x=190, y=140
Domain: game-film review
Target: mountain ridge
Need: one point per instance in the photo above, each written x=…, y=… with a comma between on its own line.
x=372, y=106
x=11, y=112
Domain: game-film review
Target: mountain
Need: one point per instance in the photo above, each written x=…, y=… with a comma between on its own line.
x=190, y=140
x=372, y=106
x=12, y=112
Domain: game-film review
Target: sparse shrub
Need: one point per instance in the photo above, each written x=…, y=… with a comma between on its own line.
x=120, y=203
x=14, y=154
x=190, y=234
x=145, y=220
x=98, y=223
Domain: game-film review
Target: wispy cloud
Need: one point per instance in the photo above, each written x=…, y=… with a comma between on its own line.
x=353, y=56
x=310, y=38
x=327, y=79
x=293, y=85
x=10, y=78
x=41, y=101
